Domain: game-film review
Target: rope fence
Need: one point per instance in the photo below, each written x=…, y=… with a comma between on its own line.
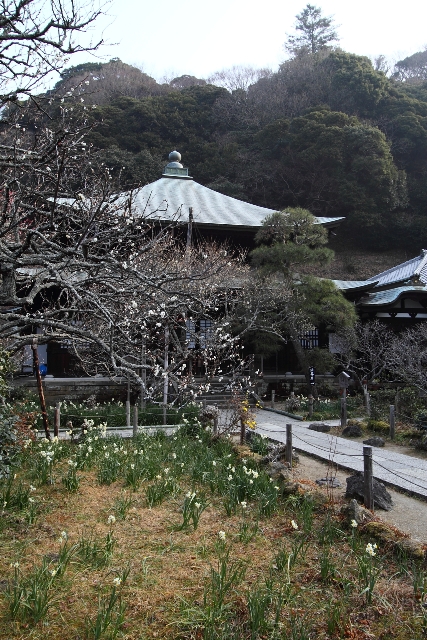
x=332, y=453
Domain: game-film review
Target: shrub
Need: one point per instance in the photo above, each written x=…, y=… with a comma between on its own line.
x=378, y=425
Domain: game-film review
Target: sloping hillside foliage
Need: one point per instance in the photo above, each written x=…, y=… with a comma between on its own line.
x=325, y=132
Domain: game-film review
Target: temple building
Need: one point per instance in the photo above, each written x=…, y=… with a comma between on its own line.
x=177, y=197
x=397, y=296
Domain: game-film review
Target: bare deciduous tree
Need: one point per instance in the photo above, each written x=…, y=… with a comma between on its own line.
x=36, y=38
x=238, y=77
x=408, y=356
x=366, y=350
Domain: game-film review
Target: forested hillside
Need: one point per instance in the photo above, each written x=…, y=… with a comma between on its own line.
x=326, y=132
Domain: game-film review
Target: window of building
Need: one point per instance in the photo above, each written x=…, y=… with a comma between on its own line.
x=310, y=339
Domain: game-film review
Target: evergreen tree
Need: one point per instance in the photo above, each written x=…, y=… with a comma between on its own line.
x=315, y=32
x=288, y=240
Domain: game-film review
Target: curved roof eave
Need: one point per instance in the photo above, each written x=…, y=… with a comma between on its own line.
x=390, y=296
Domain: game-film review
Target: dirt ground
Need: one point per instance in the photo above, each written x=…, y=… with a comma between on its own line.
x=408, y=514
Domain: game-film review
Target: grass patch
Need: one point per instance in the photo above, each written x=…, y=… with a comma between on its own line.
x=201, y=546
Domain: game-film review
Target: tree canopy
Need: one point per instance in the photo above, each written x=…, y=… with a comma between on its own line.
x=327, y=132
x=314, y=32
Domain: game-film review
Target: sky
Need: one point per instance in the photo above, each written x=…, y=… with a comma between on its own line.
x=168, y=38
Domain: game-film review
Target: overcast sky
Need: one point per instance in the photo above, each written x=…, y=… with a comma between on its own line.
x=197, y=37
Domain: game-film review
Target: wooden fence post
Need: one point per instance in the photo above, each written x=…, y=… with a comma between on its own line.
x=135, y=420
x=57, y=420
x=36, y=365
x=343, y=412
x=368, y=481
x=310, y=406
x=396, y=404
x=289, y=445
x=242, y=431
x=128, y=413
x=273, y=398
x=392, y=421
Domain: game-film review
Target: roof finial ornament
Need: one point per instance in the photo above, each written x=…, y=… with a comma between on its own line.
x=175, y=169
x=175, y=160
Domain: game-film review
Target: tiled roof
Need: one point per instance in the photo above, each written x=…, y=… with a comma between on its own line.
x=170, y=198
x=345, y=285
x=389, y=296
x=414, y=268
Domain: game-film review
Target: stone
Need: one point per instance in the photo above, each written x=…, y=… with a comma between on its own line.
x=333, y=483
x=375, y=441
x=381, y=531
x=391, y=536
x=355, y=489
x=276, y=469
x=352, y=431
x=277, y=453
x=412, y=548
x=290, y=488
x=322, y=427
x=354, y=511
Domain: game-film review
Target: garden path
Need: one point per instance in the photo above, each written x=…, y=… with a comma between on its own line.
x=391, y=467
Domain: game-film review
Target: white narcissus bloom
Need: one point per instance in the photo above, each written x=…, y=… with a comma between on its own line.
x=243, y=504
x=370, y=549
x=197, y=505
x=353, y=524
x=294, y=524
x=111, y=519
x=117, y=582
x=221, y=535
